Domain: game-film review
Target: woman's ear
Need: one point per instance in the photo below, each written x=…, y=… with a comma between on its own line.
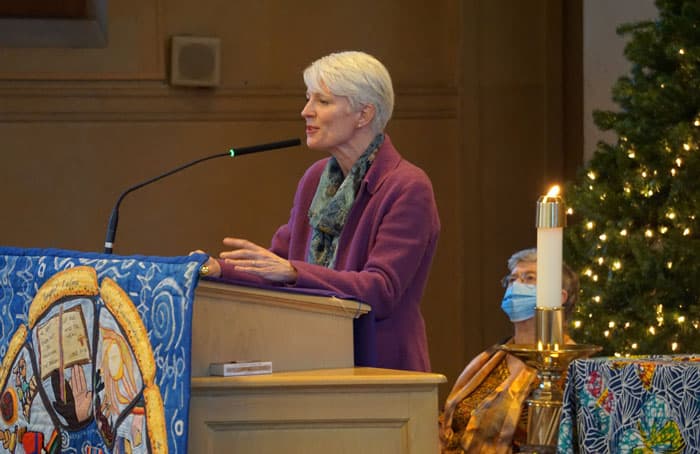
x=564, y=296
x=366, y=115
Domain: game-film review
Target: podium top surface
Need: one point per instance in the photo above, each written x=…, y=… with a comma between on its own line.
x=359, y=376
x=288, y=298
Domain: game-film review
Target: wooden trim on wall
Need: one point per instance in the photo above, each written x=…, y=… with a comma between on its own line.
x=67, y=9
x=38, y=24
x=554, y=92
x=157, y=102
x=573, y=87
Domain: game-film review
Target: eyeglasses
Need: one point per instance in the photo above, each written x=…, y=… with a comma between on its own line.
x=528, y=278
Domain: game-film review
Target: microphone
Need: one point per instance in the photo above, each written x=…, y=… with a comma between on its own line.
x=233, y=152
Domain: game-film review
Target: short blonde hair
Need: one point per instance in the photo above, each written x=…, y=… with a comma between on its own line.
x=358, y=76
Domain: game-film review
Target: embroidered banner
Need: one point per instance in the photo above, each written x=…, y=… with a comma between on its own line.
x=95, y=351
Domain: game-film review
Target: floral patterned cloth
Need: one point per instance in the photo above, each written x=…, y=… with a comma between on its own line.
x=632, y=405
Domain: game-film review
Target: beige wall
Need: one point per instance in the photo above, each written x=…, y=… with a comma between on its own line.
x=603, y=58
x=480, y=106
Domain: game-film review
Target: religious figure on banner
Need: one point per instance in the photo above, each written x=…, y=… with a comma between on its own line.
x=81, y=373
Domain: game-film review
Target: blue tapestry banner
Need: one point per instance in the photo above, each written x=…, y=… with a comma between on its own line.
x=95, y=351
x=641, y=404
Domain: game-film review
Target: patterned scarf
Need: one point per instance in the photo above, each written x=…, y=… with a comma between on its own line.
x=332, y=202
x=494, y=421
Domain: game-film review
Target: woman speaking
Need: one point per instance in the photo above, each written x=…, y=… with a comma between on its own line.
x=364, y=220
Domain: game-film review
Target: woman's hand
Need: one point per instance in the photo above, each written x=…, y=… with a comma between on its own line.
x=251, y=258
x=211, y=267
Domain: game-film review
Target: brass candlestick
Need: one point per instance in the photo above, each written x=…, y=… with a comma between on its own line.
x=550, y=359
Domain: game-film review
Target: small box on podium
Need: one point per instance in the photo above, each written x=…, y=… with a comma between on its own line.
x=233, y=368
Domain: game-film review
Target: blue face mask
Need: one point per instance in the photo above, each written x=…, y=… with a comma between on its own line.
x=519, y=301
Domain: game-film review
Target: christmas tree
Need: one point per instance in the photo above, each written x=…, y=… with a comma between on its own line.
x=633, y=232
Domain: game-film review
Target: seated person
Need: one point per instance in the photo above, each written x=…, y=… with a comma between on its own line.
x=483, y=412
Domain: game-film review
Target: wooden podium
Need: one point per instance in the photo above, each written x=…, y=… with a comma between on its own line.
x=315, y=401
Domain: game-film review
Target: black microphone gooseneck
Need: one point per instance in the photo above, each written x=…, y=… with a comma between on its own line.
x=233, y=152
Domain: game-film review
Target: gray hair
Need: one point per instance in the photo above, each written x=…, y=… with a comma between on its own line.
x=358, y=76
x=569, y=279
x=524, y=256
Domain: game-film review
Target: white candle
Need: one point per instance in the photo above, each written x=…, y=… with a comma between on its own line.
x=550, y=222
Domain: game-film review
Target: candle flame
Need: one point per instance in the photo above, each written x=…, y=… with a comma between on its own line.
x=553, y=191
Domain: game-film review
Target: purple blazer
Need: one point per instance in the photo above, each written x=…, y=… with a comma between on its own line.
x=384, y=252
